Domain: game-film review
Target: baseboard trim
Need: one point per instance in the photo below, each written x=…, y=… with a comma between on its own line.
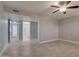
x=48, y=41
x=75, y=42
x=5, y=47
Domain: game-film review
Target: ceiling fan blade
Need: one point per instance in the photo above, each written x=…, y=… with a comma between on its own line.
x=54, y=6
x=56, y=11
x=68, y=2
x=71, y=7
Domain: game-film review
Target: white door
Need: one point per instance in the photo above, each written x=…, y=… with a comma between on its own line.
x=26, y=31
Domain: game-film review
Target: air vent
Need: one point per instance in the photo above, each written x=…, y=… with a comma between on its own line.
x=14, y=10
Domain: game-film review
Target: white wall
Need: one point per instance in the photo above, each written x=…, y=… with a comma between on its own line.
x=48, y=29
x=69, y=29
x=3, y=28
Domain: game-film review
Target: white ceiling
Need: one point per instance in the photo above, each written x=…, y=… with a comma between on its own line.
x=41, y=8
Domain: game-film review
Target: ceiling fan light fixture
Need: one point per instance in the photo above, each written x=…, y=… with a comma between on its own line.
x=62, y=6
x=62, y=9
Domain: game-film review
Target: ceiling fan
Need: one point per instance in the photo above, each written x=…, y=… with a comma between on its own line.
x=63, y=6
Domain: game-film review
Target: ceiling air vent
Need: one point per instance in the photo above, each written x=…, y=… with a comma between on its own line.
x=14, y=10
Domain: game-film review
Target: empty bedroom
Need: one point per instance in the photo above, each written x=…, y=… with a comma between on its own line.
x=39, y=28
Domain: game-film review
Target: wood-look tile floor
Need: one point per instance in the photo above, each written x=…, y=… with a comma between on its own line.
x=51, y=49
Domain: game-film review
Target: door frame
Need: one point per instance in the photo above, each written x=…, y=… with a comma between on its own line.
x=9, y=30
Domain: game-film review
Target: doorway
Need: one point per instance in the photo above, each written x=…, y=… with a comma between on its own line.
x=26, y=31
x=13, y=33
x=30, y=31
x=22, y=31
